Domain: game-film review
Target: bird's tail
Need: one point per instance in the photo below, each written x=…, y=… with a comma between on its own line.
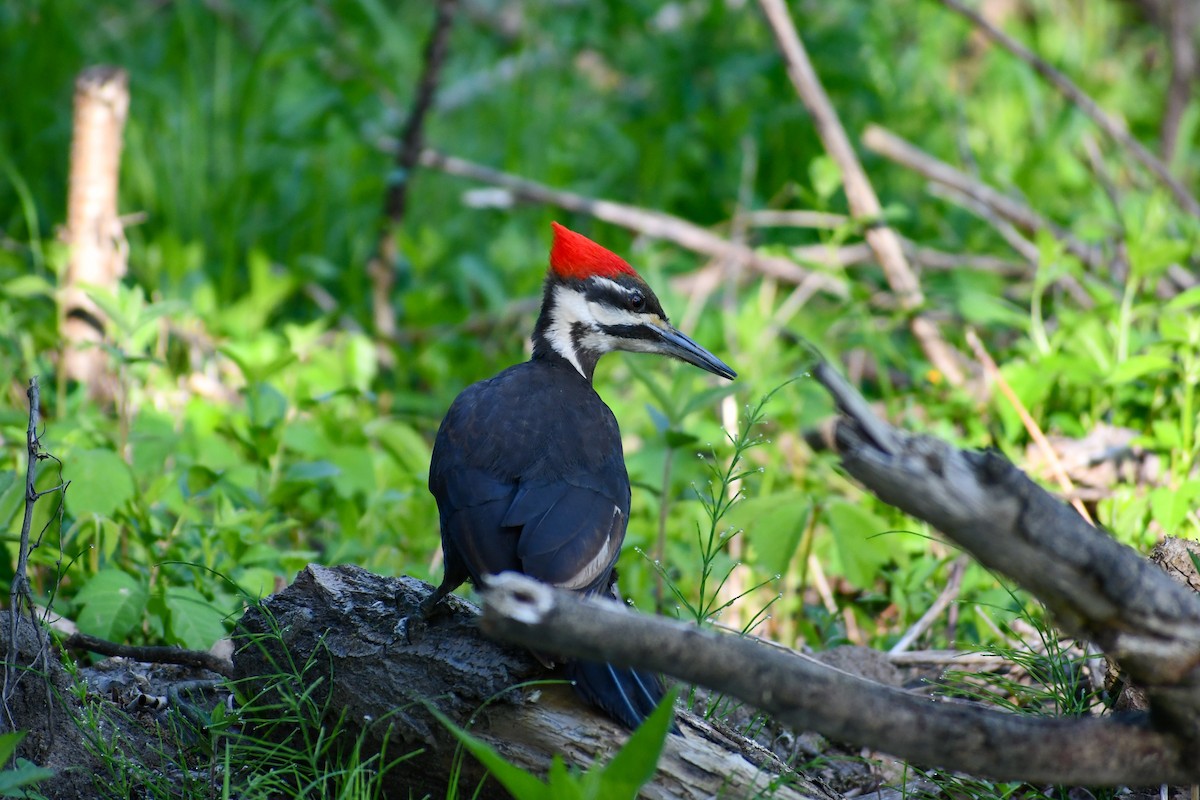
x=626, y=695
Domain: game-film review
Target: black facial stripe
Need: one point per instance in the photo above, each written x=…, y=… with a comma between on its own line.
x=631, y=331
x=598, y=292
x=606, y=294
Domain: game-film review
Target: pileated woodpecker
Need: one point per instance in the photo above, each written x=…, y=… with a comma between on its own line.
x=528, y=470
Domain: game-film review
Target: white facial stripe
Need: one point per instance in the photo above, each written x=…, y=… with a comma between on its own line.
x=571, y=308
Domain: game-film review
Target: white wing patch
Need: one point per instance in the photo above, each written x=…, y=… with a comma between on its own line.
x=604, y=557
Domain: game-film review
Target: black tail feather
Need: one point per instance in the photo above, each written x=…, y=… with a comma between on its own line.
x=626, y=695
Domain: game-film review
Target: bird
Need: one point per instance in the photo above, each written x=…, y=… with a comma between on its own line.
x=528, y=469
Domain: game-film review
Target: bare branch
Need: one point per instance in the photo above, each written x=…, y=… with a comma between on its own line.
x=775, y=218
x=864, y=204
x=1180, y=28
x=1112, y=127
x=944, y=599
x=151, y=654
x=19, y=598
x=891, y=146
x=1098, y=588
x=808, y=695
x=382, y=268
x=656, y=224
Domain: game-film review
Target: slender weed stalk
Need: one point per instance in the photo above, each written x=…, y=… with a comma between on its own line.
x=717, y=498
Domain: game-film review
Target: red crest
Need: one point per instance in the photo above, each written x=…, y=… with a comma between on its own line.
x=575, y=256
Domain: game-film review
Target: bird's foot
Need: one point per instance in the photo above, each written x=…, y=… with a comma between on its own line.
x=411, y=628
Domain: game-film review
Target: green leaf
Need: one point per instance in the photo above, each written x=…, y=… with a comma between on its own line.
x=100, y=482
x=825, y=175
x=112, y=604
x=199, y=479
x=24, y=774
x=520, y=783
x=8, y=744
x=195, y=624
x=773, y=524
x=1139, y=366
x=356, y=471
x=1170, y=505
x=637, y=760
x=1184, y=301
x=311, y=472
x=26, y=286
x=861, y=552
x=562, y=784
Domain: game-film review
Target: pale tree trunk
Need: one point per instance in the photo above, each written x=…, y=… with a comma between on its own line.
x=97, y=243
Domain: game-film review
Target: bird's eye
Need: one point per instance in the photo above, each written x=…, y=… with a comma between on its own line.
x=637, y=301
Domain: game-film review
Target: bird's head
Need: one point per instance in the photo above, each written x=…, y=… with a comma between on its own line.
x=594, y=303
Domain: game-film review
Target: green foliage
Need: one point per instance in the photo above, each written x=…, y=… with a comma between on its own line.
x=282, y=740
x=624, y=774
x=259, y=424
x=18, y=780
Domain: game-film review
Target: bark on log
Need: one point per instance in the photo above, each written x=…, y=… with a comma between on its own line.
x=344, y=619
x=808, y=695
x=1097, y=588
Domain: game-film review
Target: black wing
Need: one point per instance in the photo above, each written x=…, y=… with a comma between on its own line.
x=529, y=475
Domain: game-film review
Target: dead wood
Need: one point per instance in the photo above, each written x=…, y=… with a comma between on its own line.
x=94, y=232
x=382, y=268
x=860, y=194
x=1112, y=127
x=342, y=621
x=1097, y=589
x=647, y=222
x=806, y=694
x=1009, y=209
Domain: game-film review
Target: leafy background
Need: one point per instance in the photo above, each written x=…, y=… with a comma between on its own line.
x=257, y=429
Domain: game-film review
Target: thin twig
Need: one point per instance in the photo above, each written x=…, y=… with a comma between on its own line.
x=1112, y=127
x=1035, y=431
x=947, y=596
x=151, y=654
x=776, y=218
x=644, y=221
x=943, y=657
x=1183, y=17
x=894, y=148
x=864, y=204
x=19, y=594
x=382, y=268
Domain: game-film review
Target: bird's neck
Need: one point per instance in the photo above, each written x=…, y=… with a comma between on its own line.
x=561, y=334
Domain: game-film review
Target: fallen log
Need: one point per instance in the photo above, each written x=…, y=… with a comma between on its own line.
x=341, y=622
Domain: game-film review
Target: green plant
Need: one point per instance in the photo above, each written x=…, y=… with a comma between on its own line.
x=19, y=779
x=621, y=777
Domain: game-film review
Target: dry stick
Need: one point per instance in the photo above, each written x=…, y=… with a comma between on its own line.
x=656, y=224
x=808, y=695
x=1012, y=237
x=893, y=148
x=951, y=657
x=864, y=204
x=382, y=269
x=95, y=236
x=1111, y=126
x=953, y=584
x=151, y=654
x=1035, y=431
x=777, y=218
x=18, y=597
x=1183, y=17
